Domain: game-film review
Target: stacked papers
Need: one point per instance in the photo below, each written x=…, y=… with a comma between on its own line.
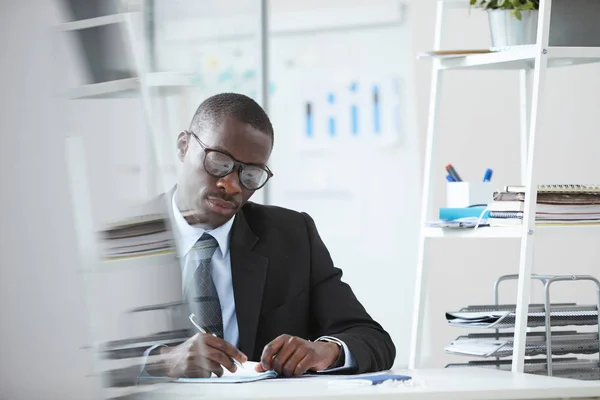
x=136, y=237
x=556, y=205
x=501, y=345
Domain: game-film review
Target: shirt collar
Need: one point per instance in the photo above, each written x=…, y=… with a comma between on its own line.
x=187, y=235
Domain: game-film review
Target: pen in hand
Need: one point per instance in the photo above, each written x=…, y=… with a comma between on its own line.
x=192, y=316
x=202, y=330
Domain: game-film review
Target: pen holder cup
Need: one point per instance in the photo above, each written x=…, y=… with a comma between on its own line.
x=465, y=194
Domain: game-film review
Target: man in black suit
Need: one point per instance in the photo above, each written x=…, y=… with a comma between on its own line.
x=269, y=291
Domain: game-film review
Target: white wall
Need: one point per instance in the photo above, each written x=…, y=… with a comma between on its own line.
x=43, y=317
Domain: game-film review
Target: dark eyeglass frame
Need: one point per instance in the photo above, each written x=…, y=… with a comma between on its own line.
x=236, y=164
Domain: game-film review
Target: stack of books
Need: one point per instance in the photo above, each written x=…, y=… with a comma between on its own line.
x=136, y=237
x=556, y=205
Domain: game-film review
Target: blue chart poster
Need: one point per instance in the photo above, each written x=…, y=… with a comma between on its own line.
x=347, y=87
x=363, y=112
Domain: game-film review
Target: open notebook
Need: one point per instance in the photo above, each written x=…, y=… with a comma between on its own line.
x=242, y=375
x=249, y=374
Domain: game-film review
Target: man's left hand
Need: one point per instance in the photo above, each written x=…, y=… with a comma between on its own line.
x=291, y=355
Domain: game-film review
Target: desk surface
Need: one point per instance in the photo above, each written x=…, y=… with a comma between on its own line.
x=432, y=384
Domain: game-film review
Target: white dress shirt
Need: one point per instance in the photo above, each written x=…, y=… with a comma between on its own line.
x=186, y=237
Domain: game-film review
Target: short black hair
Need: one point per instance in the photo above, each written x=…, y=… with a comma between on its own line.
x=241, y=107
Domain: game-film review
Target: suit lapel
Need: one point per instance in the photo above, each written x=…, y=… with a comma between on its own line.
x=248, y=270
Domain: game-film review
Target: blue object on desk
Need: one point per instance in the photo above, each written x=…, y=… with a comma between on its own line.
x=488, y=175
x=377, y=379
x=450, y=214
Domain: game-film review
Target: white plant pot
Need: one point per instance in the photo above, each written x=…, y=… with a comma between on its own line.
x=507, y=30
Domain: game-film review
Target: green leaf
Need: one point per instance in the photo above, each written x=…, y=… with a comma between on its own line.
x=527, y=6
x=512, y=5
x=518, y=14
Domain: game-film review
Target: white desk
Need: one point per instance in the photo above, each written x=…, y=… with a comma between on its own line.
x=438, y=384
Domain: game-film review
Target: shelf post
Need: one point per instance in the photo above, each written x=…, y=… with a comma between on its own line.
x=86, y=244
x=528, y=230
x=155, y=160
x=525, y=88
x=426, y=199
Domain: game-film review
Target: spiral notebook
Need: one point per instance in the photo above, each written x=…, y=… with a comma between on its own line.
x=560, y=188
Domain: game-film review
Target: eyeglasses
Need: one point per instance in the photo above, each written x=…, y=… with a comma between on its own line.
x=220, y=164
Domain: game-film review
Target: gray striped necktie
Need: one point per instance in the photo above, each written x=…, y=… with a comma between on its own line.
x=202, y=293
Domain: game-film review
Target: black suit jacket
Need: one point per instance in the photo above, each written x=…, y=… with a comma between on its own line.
x=284, y=282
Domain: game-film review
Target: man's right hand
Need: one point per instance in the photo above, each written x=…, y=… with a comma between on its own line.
x=199, y=356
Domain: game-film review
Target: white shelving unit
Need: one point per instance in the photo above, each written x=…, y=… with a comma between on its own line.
x=532, y=62
x=147, y=87
x=523, y=58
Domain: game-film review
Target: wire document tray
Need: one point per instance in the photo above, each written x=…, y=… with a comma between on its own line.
x=548, y=342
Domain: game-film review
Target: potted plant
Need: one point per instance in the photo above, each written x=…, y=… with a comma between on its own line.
x=512, y=22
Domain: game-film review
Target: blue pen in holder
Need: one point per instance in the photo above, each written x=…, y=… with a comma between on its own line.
x=488, y=175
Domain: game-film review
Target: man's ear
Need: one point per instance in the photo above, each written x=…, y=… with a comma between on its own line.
x=183, y=142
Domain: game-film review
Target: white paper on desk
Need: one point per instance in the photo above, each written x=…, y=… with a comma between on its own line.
x=242, y=375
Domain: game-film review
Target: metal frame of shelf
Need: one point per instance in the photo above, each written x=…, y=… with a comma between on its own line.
x=532, y=63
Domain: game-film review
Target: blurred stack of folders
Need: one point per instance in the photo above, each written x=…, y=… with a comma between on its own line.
x=136, y=237
x=556, y=205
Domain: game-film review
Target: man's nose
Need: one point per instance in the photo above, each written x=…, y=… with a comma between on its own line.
x=230, y=183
